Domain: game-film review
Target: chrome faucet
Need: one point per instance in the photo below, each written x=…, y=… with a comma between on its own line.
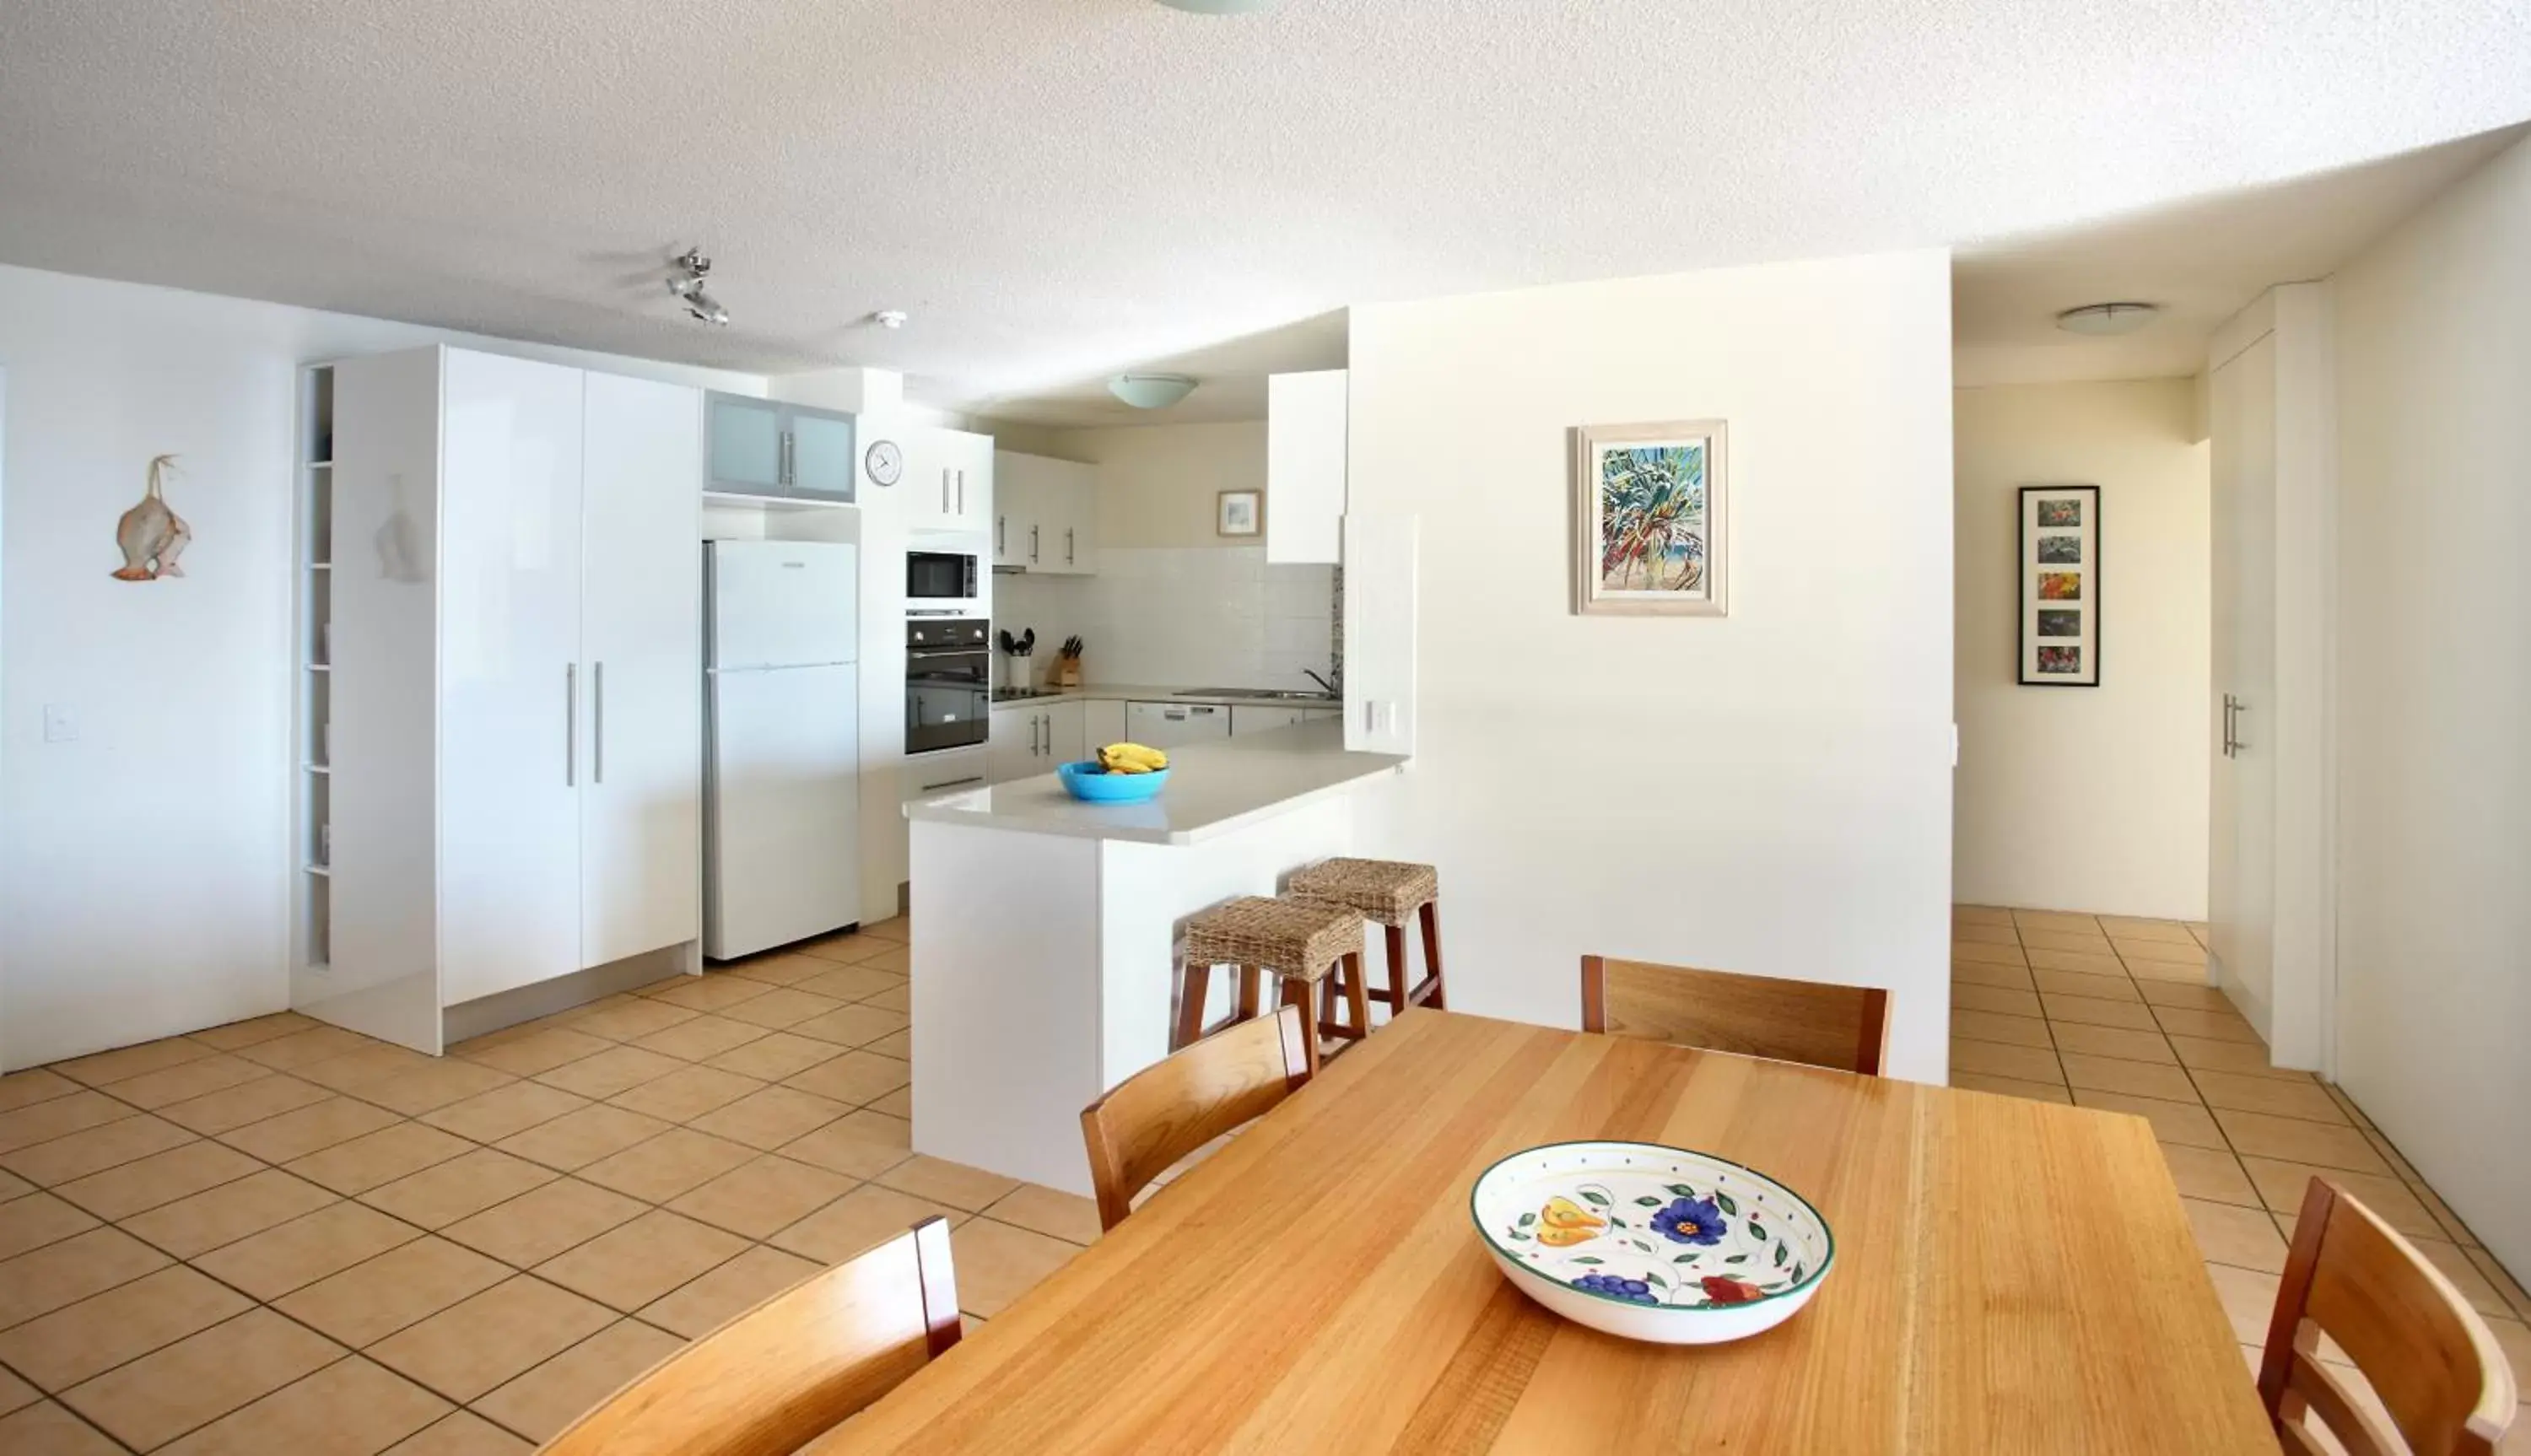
x=1331, y=689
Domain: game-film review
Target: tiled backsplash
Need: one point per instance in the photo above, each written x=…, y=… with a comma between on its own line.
x=1197, y=616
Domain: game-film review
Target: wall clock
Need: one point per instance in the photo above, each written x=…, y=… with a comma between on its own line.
x=886, y=461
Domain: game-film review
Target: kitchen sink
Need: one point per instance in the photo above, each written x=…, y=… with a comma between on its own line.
x=1274, y=695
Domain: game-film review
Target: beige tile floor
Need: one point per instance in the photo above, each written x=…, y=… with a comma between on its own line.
x=2107, y=1011
x=280, y=1236
x=276, y=1236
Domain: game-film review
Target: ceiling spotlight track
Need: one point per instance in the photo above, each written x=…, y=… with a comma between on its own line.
x=686, y=281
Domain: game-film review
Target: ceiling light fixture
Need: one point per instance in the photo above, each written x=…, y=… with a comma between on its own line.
x=890, y=318
x=687, y=283
x=1217, y=7
x=2107, y=319
x=1150, y=391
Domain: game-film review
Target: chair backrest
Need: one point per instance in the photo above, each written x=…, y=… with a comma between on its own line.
x=1791, y=1021
x=1176, y=1105
x=776, y=1378
x=2431, y=1360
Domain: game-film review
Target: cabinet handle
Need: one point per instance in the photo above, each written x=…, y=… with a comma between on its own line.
x=1001, y=535
x=973, y=778
x=570, y=724
x=2238, y=707
x=1067, y=546
x=962, y=492
x=597, y=723
x=1032, y=543
x=944, y=490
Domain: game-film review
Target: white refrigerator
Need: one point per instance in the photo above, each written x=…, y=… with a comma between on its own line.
x=782, y=742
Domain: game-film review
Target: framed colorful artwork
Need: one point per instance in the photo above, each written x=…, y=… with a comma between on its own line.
x=2061, y=585
x=1649, y=531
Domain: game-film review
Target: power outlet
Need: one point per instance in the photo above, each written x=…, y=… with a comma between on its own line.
x=61, y=724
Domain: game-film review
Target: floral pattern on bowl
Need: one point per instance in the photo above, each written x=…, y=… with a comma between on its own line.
x=1651, y=1242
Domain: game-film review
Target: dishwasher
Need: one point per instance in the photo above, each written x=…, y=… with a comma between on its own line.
x=1165, y=725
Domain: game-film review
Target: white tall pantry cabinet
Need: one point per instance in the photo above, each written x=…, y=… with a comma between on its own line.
x=514, y=741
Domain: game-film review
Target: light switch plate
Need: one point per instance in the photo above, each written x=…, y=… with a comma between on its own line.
x=61, y=722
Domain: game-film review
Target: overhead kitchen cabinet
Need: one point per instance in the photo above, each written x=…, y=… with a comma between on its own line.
x=514, y=735
x=949, y=481
x=1045, y=515
x=1306, y=434
x=763, y=449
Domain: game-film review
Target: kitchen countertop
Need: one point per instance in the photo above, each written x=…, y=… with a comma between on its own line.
x=1214, y=787
x=1146, y=692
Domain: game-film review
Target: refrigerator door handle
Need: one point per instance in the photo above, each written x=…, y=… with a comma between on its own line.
x=597, y=723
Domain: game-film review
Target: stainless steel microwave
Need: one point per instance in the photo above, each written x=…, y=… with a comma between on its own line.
x=941, y=582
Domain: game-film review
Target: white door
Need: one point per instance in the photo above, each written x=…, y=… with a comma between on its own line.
x=1072, y=520
x=969, y=459
x=1012, y=749
x=641, y=818
x=1062, y=740
x=786, y=803
x=784, y=603
x=512, y=735
x=2243, y=852
x=1306, y=440
x=1014, y=499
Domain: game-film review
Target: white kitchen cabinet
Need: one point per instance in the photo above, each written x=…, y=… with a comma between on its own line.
x=765, y=449
x=1255, y=717
x=1032, y=737
x=945, y=772
x=641, y=824
x=516, y=772
x=1305, y=428
x=949, y=481
x=1103, y=723
x=1045, y=515
x=1165, y=725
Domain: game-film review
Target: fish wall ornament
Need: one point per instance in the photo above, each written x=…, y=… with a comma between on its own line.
x=150, y=535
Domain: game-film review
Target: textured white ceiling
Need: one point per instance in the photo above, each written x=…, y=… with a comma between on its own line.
x=1056, y=188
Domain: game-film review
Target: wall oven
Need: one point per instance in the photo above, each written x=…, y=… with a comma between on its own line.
x=948, y=683
x=943, y=584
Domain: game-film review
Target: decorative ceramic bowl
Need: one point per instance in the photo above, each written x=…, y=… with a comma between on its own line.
x=1091, y=785
x=1652, y=1242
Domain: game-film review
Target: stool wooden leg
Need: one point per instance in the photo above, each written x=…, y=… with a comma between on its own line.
x=1357, y=993
x=1400, y=985
x=1430, y=914
x=1193, y=987
x=1297, y=993
x=1251, y=979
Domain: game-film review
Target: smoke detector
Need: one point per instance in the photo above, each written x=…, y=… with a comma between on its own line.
x=685, y=280
x=890, y=318
x=2107, y=319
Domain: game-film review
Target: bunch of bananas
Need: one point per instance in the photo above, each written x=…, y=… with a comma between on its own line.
x=1131, y=757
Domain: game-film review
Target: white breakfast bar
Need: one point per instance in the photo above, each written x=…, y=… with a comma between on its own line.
x=1044, y=930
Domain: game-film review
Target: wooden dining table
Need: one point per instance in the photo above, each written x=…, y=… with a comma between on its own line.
x=2011, y=1276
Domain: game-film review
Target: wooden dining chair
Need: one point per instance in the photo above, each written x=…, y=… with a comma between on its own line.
x=2431, y=1360
x=1174, y=1106
x=772, y=1379
x=1790, y=1020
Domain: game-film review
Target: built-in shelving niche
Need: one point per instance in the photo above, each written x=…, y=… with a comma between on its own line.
x=312, y=800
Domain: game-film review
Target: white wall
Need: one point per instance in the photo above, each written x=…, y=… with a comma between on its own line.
x=2432, y=690
x=144, y=869
x=2090, y=799
x=1767, y=792
x=1158, y=483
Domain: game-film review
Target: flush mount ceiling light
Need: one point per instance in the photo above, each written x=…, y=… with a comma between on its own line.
x=686, y=281
x=1150, y=391
x=2107, y=319
x=1217, y=7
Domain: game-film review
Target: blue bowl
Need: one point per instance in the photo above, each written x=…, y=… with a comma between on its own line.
x=1091, y=785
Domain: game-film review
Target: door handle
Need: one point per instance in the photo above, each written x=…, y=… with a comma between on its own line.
x=1067, y=546
x=944, y=490
x=2238, y=707
x=962, y=492
x=973, y=778
x=1032, y=543
x=597, y=723
x=570, y=724
x=2227, y=725
x=1001, y=535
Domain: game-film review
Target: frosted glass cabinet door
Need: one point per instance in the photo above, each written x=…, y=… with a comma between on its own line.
x=513, y=700
x=746, y=445
x=823, y=465
x=642, y=659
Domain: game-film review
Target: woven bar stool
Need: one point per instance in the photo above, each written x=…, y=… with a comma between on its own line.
x=1391, y=892
x=1314, y=948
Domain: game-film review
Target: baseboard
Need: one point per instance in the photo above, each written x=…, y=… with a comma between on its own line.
x=503, y=1009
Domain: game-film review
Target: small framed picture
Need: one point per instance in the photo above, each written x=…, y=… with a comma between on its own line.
x=1239, y=513
x=1649, y=533
x=2061, y=585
